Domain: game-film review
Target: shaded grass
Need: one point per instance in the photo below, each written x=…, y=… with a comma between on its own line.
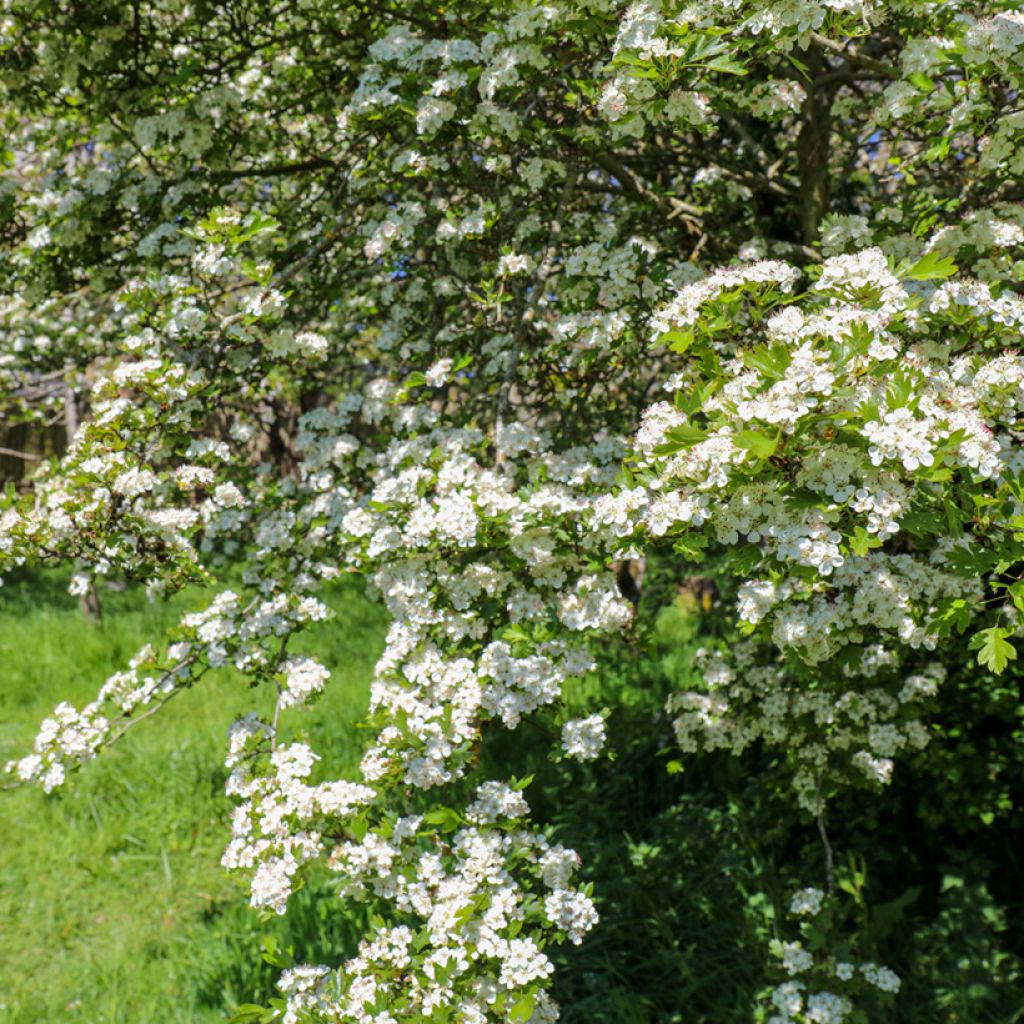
x=680, y=867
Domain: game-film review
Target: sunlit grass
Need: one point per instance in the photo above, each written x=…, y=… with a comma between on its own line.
x=113, y=904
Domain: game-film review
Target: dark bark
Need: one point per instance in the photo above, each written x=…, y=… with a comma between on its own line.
x=812, y=147
x=89, y=602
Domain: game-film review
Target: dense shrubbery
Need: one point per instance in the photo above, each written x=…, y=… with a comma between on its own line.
x=497, y=306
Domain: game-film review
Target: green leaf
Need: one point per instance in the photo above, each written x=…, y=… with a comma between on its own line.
x=247, y=1012
x=691, y=546
x=359, y=826
x=446, y=819
x=726, y=65
x=869, y=411
x=770, y=361
x=759, y=444
x=677, y=341
x=522, y=1010
x=994, y=651
x=901, y=388
x=679, y=438
x=954, y=614
x=273, y=955
x=862, y=542
x=970, y=561
x=690, y=403
x=931, y=267
x=515, y=633
x=256, y=223
x=443, y=971
x=254, y=272
x=463, y=916
x=800, y=66
x=742, y=559
x=855, y=344
x=189, y=69
x=801, y=498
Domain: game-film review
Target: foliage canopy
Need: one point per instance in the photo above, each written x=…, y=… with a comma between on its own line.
x=489, y=303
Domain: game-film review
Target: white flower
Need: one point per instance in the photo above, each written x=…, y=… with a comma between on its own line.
x=438, y=373
x=881, y=977
x=584, y=738
x=523, y=963
x=80, y=584
x=513, y=263
x=311, y=344
x=304, y=677
x=807, y=901
x=571, y=912
x=796, y=959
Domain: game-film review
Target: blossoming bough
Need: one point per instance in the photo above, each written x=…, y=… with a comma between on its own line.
x=475, y=300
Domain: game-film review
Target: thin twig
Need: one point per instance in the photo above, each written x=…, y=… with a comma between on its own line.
x=331, y=235
x=280, y=693
x=272, y=170
x=27, y=456
x=141, y=718
x=672, y=205
x=830, y=870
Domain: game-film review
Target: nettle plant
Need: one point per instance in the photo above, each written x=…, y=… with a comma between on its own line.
x=482, y=301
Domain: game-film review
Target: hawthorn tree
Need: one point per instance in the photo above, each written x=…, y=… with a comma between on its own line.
x=486, y=302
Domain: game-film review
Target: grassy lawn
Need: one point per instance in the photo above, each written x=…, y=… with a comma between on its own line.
x=113, y=904
x=114, y=908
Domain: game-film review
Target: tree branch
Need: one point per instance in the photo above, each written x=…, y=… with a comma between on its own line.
x=853, y=56
x=674, y=206
x=27, y=456
x=813, y=146
x=272, y=170
x=830, y=870
x=141, y=718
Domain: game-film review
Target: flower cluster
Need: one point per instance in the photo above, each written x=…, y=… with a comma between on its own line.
x=822, y=987
x=836, y=426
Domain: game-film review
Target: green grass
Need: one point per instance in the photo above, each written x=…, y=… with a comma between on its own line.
x=114, y=908
x=113, y=904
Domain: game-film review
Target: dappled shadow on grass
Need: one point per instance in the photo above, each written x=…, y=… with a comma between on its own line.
x=232, y=968
x=683, y=870
x=678, y=878
x=942, y=854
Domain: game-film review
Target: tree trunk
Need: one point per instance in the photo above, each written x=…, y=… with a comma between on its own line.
x=812, y=148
